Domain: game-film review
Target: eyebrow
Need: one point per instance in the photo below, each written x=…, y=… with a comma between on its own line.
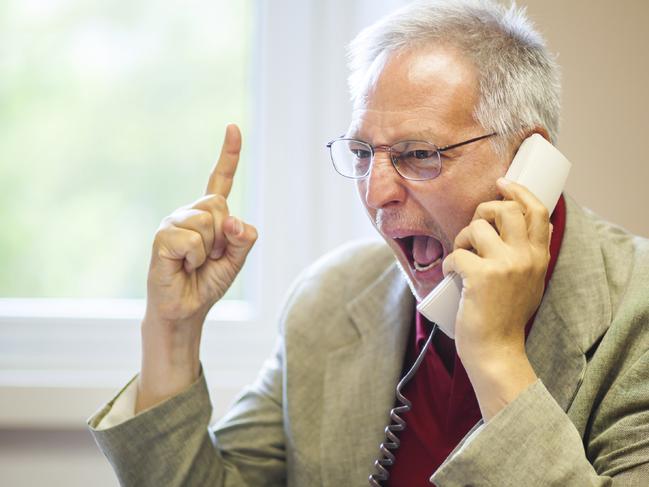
x=420, y=136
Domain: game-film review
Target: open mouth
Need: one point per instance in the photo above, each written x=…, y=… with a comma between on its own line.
x=423, y=252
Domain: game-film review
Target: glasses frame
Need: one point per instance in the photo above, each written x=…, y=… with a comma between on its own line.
x=394, y=159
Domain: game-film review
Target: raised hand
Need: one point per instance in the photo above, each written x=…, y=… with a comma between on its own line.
x=197, y=252
x=200, y=248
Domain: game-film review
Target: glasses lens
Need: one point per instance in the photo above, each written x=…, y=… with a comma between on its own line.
x=417, y=160
x=351, y=158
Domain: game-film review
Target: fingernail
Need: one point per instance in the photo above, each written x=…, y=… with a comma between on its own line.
x=238, y=227
x=216, y=253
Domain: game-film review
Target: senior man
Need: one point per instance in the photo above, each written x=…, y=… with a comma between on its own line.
x=547, y=380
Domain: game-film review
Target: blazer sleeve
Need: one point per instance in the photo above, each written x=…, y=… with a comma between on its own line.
x=172, y=444
x=533, y=442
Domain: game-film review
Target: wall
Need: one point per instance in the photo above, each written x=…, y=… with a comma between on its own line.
x=602, y=51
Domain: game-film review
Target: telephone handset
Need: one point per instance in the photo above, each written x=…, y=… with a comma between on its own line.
x=540, y=167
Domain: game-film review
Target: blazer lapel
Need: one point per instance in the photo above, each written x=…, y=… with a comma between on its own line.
x=575, y=311
x=360, y=380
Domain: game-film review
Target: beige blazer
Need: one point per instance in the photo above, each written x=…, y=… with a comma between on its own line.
x=316, y=414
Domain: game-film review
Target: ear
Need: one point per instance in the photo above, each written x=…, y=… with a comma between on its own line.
x=542, y=131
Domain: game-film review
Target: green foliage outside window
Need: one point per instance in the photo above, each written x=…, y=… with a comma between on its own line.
x=111, y=116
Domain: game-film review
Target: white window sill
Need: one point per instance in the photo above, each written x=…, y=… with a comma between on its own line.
x=61, y=360
x=67, y=400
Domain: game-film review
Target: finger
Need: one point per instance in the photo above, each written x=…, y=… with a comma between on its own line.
x=461, y=262
x=240, y=236
x=222, y=175
x=536, y=214
x=480, y=236
x=217, y=206
x=198, y=221
x=176, y=244
x=550, y=230
x=508, y=218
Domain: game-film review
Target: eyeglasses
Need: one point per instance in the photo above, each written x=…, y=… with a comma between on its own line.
x=414, y=160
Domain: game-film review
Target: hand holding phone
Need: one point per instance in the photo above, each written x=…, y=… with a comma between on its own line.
x=540, y=167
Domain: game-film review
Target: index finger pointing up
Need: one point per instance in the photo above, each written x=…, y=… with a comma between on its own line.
x=222, y=175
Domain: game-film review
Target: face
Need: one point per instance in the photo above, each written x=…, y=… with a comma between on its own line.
x=425, y=95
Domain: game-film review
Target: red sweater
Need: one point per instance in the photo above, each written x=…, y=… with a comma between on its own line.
x=444, y=405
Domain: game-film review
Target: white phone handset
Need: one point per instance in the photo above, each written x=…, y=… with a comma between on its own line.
x=541, y=168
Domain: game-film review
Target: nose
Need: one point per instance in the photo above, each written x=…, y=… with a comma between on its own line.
x=383, y=185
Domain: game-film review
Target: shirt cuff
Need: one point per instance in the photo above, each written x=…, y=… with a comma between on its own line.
x=123, y=407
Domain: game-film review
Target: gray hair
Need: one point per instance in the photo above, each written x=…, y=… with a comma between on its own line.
x=519, y=79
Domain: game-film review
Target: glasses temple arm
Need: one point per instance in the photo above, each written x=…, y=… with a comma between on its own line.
x=460, y=144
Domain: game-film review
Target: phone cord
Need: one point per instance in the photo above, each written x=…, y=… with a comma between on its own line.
x=392, y=441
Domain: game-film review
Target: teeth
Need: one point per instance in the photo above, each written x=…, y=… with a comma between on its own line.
x=420, y=268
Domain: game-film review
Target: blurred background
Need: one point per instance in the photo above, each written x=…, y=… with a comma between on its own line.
x=111, y=116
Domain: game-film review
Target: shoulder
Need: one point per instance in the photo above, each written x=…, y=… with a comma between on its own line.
x=356, y=262
x=322, y=290
x=625, y=259
x=344, y=271
x=625, y=255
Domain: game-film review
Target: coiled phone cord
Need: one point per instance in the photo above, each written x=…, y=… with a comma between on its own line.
x=398, y=424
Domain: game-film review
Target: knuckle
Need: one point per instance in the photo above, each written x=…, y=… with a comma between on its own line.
x=195, y=240
x=514, y=207
x=166, y=222
x=493, y=273
x=218, y=202
x=542, y=212
x=476, y=224
x=483, y=207
x=479, y=225
x=162, y=233
x=212, y=202
x=205, y=220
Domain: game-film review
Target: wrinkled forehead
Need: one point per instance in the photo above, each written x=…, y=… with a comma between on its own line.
x=430, y=90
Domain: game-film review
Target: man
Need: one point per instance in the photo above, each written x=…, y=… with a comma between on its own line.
x=547, y=380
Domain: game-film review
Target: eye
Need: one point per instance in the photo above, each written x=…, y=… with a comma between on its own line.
x=420, y=154
x=360, y=152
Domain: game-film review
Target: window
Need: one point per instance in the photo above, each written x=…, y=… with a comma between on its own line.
x=113, y=113
x=112, y=116
x=137, y=124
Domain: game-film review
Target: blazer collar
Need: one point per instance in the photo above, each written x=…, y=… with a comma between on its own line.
x=361, y=377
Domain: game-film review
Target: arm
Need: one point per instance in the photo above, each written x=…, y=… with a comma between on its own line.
x=197, y=252
x=532, y=441
x=527, y=438
x=171, y=445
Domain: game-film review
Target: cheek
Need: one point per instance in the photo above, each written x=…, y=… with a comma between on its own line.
x=361, y=187
x=443, y=204
x=452, y=206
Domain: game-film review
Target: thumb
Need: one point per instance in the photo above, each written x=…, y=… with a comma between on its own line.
x=240, y=237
